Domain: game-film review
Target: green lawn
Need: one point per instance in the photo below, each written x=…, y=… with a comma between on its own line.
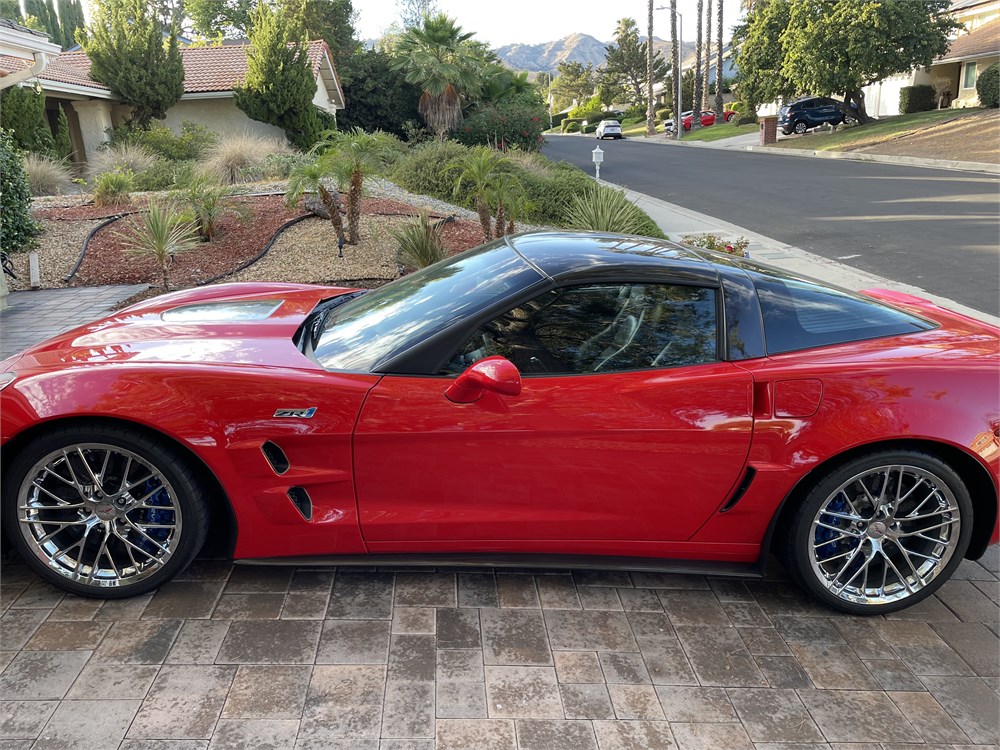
x=877, y=131
x=719, y=132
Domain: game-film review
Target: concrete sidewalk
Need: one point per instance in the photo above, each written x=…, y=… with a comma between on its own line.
x=677, y=221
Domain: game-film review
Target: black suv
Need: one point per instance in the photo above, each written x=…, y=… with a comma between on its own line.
x=810, y=112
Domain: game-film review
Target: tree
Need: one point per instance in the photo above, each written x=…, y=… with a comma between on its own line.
x=708, y=53
x=16, y=224
x=71, y=19
x=352, y=156
x=650, y=105
x=22, y=114
x=379, y=95
x=128, y=55
x=10, y=9
x=279, y=86
x=413, y=12
x=478, y=172
x=675, y=53
x=574, y=82
x=438, y=58
x=311, y=177
x=839, y=46
x=45, y=12
x=695, y=118
x=626, y=61
x=718, y=66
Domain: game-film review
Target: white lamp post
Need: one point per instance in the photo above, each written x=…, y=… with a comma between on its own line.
x=598, y=159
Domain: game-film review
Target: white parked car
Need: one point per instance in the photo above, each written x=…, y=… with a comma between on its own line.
x=609, y=129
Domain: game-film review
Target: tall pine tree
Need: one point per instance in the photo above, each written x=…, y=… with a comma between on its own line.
x=279, y=86
x=45, y=12
x=128, y=54
x=71, y=19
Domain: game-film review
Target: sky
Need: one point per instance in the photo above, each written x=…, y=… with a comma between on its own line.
x=501, y=22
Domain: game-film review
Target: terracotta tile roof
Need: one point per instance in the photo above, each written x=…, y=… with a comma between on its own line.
x=206, y=69
x=979, y=43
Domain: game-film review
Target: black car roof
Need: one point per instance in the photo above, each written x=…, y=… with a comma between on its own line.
x=568, y=257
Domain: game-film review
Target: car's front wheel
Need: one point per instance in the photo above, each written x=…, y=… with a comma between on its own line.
x=104, y=511
x=880, y=533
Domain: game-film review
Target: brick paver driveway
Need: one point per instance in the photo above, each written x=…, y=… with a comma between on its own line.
x=321, y=659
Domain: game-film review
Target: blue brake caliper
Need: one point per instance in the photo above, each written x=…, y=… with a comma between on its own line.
x=831, y=543
x=155, y=516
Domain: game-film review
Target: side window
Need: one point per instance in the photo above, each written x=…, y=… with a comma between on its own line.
x=601, y=328
x=808, y=104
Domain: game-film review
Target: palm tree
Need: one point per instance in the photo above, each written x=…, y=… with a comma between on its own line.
x=351, y=156
x=507, y=197
x=675, y=54
x=478, y=172
x=650, y=106
x=500, y=83
x=696, y=99
x=437, y=57
x=161, y=231
x=311, y=177
x=719, y=109
x=708, y=53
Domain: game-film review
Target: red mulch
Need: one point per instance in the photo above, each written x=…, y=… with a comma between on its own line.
x=237, y=241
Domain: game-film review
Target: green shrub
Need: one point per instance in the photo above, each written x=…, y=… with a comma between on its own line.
x=550, y=194
x=988, y=86
x=573, y=126
x=22, y=113
x=162, y=232
x=62, y=146
x=604, y=209
x=558, y=118
x=164, y=175
x=749, y=118
x=504, y=125
x=192, y=143
x=635, y=112
x=208, y=202
x=273, y=167
x=46, y=176
x=589, y=128
x=916, y=99
x=664, y=114
x=420, y=243
x=590, y=110
x=113, y=188
x=423, y=170
x=16, y=224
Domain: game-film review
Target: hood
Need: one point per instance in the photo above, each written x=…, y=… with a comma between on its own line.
x=235, y=324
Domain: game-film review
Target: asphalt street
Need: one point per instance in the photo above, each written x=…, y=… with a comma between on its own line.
x=936, y=229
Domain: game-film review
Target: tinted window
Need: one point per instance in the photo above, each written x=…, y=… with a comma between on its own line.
x=801, y=315
x=601, y=328
x=396, y=316
x=807, y=104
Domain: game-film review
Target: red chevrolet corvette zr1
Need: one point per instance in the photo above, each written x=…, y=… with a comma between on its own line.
x=563, y=399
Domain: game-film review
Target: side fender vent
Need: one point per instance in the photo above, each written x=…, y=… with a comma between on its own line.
x=301, y=500
x=276, y=457
x=741, y=490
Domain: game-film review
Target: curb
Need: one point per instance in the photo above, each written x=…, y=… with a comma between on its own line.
x=903, y=161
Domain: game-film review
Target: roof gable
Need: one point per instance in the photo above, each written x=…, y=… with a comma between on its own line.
x=982, y=42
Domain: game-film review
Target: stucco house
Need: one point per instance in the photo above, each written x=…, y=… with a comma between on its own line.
x=972, y=50
x=210, y=75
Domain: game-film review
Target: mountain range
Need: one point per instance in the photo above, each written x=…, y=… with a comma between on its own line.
x=581, y=48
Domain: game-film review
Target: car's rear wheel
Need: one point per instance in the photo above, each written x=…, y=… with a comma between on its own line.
x=800, y=127
x=881, y=532
x=851, y=120
x=104, y=511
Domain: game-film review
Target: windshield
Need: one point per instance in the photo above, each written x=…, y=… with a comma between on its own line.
x=365, y=331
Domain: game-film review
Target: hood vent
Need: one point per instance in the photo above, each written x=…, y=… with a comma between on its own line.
x=276, y=457
x=301, y=500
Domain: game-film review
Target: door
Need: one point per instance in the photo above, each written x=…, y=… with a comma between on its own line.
x=627, y=427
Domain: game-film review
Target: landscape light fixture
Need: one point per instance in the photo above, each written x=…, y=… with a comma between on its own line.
x=598, y=159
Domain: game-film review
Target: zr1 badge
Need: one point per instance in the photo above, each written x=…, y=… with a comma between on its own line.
x=300, y=413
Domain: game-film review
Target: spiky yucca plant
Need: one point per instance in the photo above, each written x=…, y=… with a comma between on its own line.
x=603, y=209
x=420, y=243
x=208, y=202
x=478, y=170
x=161, y=231
x=352, y=156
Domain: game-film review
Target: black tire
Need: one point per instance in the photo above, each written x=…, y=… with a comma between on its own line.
x=730, y=117
x=186, y=506
x=797, y=548
x=800, y=127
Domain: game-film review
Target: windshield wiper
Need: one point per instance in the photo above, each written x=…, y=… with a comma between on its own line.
x=313, y=325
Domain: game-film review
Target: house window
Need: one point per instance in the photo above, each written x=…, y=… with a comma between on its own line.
x=969, y=77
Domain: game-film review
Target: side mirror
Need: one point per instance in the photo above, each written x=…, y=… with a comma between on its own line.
x=496, y=374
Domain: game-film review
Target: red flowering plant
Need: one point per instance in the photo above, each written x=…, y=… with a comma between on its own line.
x=503, y=126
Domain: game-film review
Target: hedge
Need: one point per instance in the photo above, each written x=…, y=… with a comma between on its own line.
x=916, y=99
x=988, y=86
x=504, y=126
x=16, y=224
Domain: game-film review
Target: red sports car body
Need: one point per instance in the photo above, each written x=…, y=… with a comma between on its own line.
x=434, y=427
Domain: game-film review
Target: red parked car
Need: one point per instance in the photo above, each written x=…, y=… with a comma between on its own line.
x=561, y=399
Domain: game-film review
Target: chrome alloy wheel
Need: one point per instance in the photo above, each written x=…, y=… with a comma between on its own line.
x=884, y=534
x=99, y=515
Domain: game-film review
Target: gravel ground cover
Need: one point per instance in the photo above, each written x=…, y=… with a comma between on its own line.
x=58, y=249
